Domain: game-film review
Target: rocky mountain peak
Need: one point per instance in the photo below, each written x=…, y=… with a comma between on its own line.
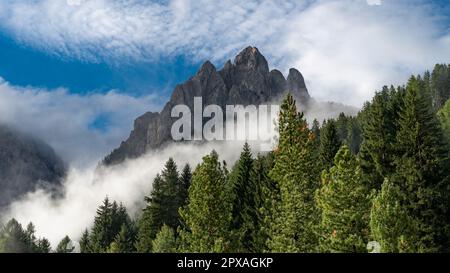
x=251, y=58
x=245, y=81
x=296, y=84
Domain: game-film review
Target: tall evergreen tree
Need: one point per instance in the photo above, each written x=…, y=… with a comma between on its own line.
x=15, y=239
x=107, y=224
x=440, y=85
x=267, y=198
x=329, y=144
x=444, y=118
x=208, y=213
x=296, y=173
x=44, y=246
x=243, y=197
x=345, y=206
x=379, y=129
x=65, y=246
x=421, y=175
x=167, y=196
x=185, y=183
x=85, y=244
x=123, y=242
x=165, y=241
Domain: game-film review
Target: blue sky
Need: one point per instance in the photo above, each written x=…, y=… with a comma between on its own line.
x=25, y=66
x=95, y=65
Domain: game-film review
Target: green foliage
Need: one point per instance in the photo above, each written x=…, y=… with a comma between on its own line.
x=345, y=206
x=379, y=121
x=329, y=144
x=14, y=239
x=85, y=244
x=440, y=85
x=167, y=196
x=296, y=173
x=123, y=242
x=444, y=118
x=243, y=195
x=390, y=223
x=165, y=241
x=208, y=213
x=107, y=224
x=65, y=246
x=421, y=186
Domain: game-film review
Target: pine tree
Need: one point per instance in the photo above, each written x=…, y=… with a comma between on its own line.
x=165, y=241
x=208, y=214
x=296, y=173
x=329, y=144
x=101, y=235
x=150, y=218
x=44, y=246
x=243, y=198
x=267, y=196
x=316, y=131
x=185, y=183
x=166, y=198
x=123, y=242
x=444, y=118
x=421, y=176
x=345, y=206
x=65, y=246
x=379, y=121
x=354, y=136
x=391, y=225
x=85, y=244
x=14, y=239
x=440, y=85
x=107, y=224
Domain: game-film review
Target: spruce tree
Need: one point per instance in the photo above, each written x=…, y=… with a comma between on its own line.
x=345, y=206
x=391, y=225
x=267, y=197
x=44, y=246
x=184, y=184
x=316, y=131
x=165, y=241
x=329, y=144
x=85, y=245
x=444, y=118
x=166, y=198
x=421, y=175
x=379, y=124
x=14, y=239
x=123, y=242
x=107, y=224
x=208, y=213
x=243, y=197
x=65, y=246
x=296, y=173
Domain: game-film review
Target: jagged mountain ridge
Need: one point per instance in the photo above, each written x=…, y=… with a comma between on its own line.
x=247, y=80
x=26, y=163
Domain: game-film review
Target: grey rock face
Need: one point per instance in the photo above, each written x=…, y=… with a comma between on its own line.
x=245, y=81
x=26, y=164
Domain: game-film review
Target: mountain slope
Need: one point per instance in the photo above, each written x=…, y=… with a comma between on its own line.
x=26, y=164
x=245, y=81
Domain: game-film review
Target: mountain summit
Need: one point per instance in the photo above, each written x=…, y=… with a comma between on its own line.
x=245, y=81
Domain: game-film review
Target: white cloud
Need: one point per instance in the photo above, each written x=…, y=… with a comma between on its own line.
x=84, y=191
x=346, y=49
x=64, y=120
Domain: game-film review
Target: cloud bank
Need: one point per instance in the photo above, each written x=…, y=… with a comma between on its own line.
x=85, y=189
x=345, y=48
x=81, y=128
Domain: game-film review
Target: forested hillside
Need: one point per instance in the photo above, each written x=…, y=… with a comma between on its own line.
x=330, y=186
